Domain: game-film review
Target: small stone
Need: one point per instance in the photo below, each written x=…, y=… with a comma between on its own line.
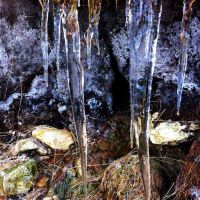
x=18, y=179
x=194, y=127
x=28, y=145
x=42, y=182
x=51, y=198
x=53, y=137
x=55, y=197
x=168, y=133
x=48, y=198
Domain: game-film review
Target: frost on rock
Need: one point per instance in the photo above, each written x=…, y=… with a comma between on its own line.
x=120, y=40
x=38, y=88
x=98, y=92
x=20, y=53
x=5, y=105
x=168, y=52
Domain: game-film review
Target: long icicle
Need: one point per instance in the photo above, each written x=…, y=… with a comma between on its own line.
x=145, y=161
x=95, y=22
x=94, y=9
x=89, y=36
x=58, y=49
x=77, y=87
x=44, y=39
x=144, y=21
x=64, y=25
x=127, y=12
x=184, y=50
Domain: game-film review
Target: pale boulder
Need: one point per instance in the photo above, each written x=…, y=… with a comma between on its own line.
x=53, y=137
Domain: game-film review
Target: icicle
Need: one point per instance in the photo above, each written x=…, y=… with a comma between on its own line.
x=94, y=8
x=77, y=86
x=127, y=12
x=89, y=36
x=58, y=50
x=116, y=4
x=144, y=22
x=79, y=3
x=44, y=39
x=184, y=50
x=64, y=25
x=95, y=23
x=156, y=15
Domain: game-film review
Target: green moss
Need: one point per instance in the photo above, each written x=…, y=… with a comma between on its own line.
x=18, y=179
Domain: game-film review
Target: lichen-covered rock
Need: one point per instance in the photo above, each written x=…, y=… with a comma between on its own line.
x=18, y=179
x=29, y=144
x=122, y=180
x=169, y=133
x=53, y=137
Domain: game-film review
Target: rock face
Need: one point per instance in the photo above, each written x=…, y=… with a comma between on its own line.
x=20, y=47
x=18, y=179
x=54, y=138
x=22, y=81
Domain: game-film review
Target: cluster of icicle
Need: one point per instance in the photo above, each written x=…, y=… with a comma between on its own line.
x=143, y=22
x=68, y=27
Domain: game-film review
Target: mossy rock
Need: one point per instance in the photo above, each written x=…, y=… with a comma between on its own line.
x=122, y=180
x=18, y=179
